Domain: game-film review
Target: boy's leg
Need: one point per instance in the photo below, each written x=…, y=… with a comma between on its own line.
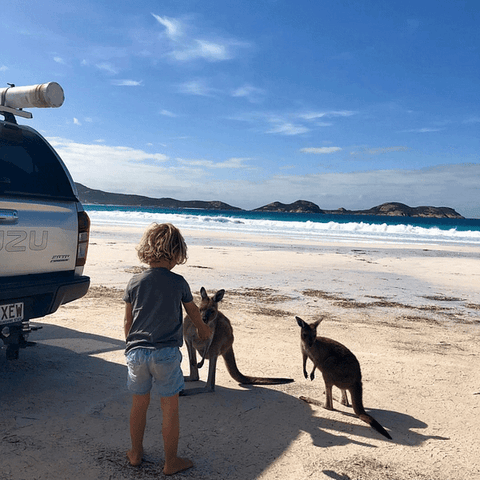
x=138, y=421
x=170, y=433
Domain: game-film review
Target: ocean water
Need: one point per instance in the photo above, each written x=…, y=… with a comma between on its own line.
x=331, y=228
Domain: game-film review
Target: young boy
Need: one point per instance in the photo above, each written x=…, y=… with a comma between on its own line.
x=154, y=334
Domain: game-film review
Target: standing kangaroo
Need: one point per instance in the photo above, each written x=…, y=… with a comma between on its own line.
x=339, y=367
x=220, y=343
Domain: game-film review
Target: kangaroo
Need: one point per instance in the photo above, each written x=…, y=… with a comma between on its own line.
x=220, y=343
x=339, y=367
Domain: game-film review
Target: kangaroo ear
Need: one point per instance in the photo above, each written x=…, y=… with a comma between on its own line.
x=300, y=322
x=317, y=322
x=203, y=293
x=219, y=295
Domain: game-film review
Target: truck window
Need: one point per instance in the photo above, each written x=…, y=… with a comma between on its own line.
x=29, y=167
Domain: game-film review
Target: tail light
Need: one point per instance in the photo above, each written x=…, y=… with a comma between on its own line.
x=83, y=236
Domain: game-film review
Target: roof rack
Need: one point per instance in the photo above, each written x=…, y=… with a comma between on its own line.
x=15, y=111
x=14, y=99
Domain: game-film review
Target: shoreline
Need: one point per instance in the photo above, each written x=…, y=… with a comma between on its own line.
x=381, y=230
x=198, y=237
x=396, y=272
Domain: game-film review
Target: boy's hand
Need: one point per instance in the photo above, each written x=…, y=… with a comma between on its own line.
x=204, y=332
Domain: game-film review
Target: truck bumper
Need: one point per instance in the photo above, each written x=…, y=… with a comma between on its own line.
x=43, y=294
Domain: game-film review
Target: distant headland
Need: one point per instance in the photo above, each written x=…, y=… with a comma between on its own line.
x=392, y=209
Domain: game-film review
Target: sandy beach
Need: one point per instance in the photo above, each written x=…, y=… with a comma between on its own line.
x=410, y=313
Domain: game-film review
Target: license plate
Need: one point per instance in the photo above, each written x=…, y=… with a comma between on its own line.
x=12, y=312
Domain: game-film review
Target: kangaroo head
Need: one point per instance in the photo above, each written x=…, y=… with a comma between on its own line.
x=209, y=305
x=309, y=331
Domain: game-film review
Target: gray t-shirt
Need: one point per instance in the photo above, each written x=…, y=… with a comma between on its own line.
x=156, y=296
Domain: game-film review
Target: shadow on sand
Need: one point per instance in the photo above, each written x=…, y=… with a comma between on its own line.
x=64, y=414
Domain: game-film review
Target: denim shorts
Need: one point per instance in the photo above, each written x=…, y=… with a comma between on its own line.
x=163, y=365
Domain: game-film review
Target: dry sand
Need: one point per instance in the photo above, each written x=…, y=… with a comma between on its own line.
x=411, y=314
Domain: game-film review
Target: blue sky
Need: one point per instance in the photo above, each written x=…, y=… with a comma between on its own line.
x=346, y=104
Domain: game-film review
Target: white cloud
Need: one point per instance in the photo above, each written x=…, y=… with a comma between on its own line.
x=167, y=113
x=283, y=126
x=76, y=121
x=210, y=51
x=320, y=150
x=3, y=68
x=107, y=67
x=332, y=113
x=78, y=152
x=183, y=44
x=196, y=87
x=122, y=169
x=233, y=163
x=173, y=27
x=381, y=150
x=112, y=168
x=252, y=94
x=287, y=128
x=196, y=163
x=364, y=151
x=423, y=130
x=59, y=60
x=291, y=123
x=127, y=83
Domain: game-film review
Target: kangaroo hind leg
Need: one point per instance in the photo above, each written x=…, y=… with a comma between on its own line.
x=210, y=385
x=192, y=360
x=328, y=396
x=344, y=399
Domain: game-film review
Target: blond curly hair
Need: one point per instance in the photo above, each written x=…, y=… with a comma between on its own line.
x=162, y=242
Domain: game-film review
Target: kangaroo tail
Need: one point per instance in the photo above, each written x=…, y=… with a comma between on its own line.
x=235, y=373
x=374, y=424
x=357, y=404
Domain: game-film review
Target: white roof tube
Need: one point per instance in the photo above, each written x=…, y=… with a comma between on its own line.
x=45, y=95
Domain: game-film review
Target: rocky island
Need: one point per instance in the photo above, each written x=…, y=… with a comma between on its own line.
x=392, y=209
x=300, y=206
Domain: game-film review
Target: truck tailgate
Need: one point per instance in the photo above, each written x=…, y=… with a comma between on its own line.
x=37, y=236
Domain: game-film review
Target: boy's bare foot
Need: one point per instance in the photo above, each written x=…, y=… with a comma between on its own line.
x=134, y=458
x=178, y=465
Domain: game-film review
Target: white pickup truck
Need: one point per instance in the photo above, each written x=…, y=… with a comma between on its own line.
x=44, y=230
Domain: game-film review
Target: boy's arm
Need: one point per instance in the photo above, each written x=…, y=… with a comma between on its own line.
x=193, y=312
x=127, y=323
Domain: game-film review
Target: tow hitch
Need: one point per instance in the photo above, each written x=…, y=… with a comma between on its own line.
x=15, y=338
